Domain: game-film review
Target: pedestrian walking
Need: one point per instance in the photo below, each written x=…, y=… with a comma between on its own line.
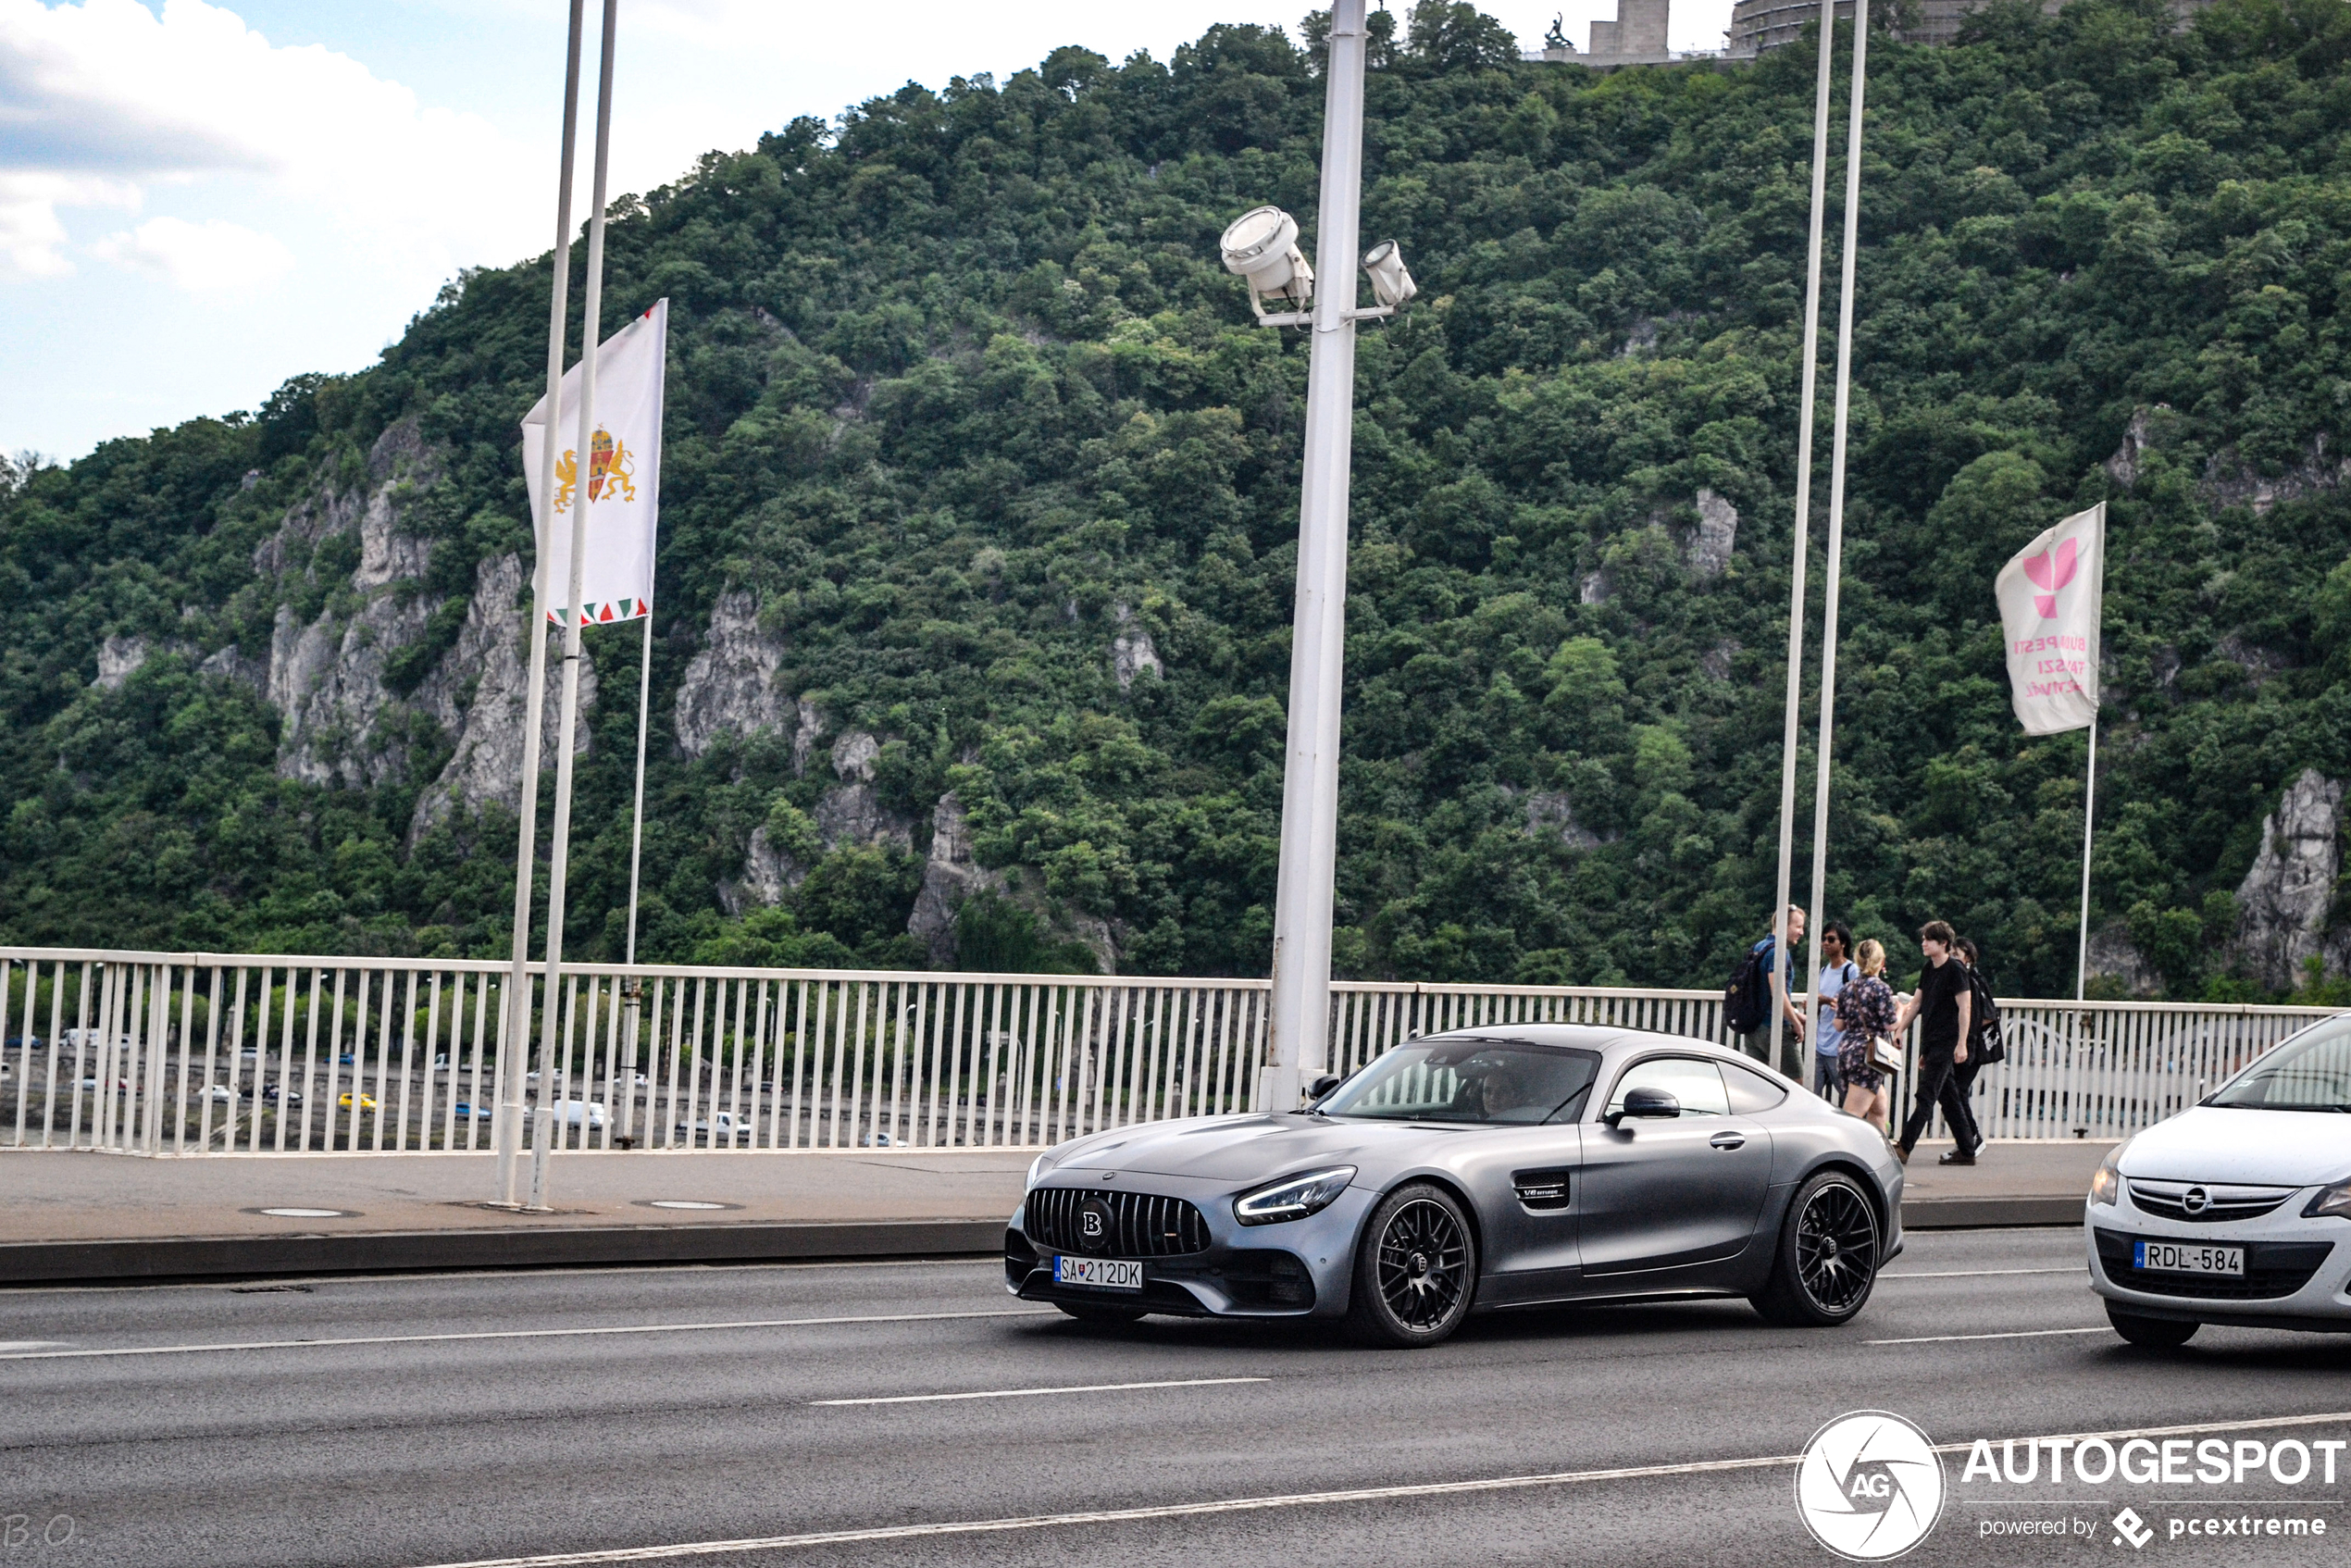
x=1941, y=1005
x=1979, y=1016
x=1836, y=973
x=1865, y=1014
x=1764, y=982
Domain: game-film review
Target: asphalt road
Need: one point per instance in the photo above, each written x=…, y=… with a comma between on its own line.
x=511, y=1428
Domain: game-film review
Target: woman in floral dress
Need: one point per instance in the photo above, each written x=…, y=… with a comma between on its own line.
x=1865, y=1012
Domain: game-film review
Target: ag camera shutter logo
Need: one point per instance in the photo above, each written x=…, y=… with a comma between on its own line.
x=1869, y=1486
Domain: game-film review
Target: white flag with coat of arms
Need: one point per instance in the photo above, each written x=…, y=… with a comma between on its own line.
x=623, y=479
x=2052, y=594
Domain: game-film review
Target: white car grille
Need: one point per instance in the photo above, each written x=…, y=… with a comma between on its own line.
x=2206, y=1202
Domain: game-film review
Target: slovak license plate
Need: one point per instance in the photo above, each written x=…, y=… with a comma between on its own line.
x=2180, y=1257
x=1102, y=1273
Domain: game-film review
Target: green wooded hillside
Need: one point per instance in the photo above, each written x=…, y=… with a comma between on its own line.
x=958, y=382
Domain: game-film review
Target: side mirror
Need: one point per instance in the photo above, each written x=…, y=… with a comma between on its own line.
x=1645, y=1103
x=1322, y=1085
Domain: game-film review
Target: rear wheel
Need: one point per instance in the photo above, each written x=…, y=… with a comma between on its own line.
x=1415, y=1270
x=1828, y=1255
x=2154, y=1333
x=1087, y=1312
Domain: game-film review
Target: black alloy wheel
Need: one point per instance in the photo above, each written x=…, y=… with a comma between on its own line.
x=2151, y=1333
x=1415, y=1269
x=1828, y=1255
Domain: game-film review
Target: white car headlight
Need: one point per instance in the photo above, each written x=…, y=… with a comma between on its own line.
x=2106, y=1187
x=2335, y=1200
x=1293, y=1197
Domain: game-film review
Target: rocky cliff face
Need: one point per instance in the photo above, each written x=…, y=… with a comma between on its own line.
x=340, y=723
x=950, y=877
x=2282, y=903
x=479, y=694
x=730, y=684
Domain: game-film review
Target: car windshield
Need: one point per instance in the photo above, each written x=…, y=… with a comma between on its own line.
x=1469, y=1080
x=2312, y=1073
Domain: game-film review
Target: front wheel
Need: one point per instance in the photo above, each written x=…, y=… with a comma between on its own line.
x=1415, y=1270
x=2154, y=1333
x=1828, y=1255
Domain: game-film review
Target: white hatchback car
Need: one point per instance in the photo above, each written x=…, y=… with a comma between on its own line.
x=2238, y=1209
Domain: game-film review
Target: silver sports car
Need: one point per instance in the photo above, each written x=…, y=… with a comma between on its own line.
x=1507, y=1167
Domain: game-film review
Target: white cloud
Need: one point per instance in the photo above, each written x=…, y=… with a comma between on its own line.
x=211, y=254
x=32, y=239
x=108, y=90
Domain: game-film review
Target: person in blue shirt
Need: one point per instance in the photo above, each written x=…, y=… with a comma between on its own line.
x=1836, y=972
x=1757, y=1042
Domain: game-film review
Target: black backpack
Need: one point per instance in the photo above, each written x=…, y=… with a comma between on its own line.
x=1746, y=1001
x=1985, y=1041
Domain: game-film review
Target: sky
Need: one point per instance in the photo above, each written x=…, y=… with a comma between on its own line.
x=199, y=201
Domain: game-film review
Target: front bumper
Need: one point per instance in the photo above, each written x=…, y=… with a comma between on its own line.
x=1297, y=1269
x=2297, y=1271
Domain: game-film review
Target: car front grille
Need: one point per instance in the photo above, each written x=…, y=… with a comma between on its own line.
x=2271, y=1269
x=2206, y=1202
x=1137, y=1225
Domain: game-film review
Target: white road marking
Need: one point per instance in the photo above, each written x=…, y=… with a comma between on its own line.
x=1294, y=1500
x=438, y=1275
x=7, y=1345
x=1985, y=1272
x=2013, y=1334
x=1029, y=1393
x=507, y=1334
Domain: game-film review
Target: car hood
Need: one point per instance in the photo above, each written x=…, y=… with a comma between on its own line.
x=1240, y=1148
x=2265, y=1147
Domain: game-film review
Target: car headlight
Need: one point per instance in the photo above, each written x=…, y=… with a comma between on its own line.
x=2335, y=1200
x=2106, y=1187
x=1293, y=1197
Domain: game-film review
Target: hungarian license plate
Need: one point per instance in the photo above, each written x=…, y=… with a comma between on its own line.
x=1102, y=1274
x=2182, y=1257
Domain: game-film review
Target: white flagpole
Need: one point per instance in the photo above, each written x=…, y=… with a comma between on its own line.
x=2089, y=816
x=505, y=1132
x=559, y=850
x=637, y=821
x=1803, y=527
x=1825, y=748
x=633, y=989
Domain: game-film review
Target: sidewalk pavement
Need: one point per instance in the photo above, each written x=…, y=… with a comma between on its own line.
x=86, y=1216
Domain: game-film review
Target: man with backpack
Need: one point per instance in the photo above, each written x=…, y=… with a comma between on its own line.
x=1757, y=986
x=1944, y=1005
x=1985, y=1041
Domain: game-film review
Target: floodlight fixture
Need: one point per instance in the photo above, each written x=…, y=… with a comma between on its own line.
x=1260, y=247
x=1391, y=284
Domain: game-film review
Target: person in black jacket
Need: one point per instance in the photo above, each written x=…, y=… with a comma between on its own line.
x=1964, y=1079
x=1942, y=1005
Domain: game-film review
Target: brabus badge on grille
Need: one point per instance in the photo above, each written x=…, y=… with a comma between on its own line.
x=1093, y=1222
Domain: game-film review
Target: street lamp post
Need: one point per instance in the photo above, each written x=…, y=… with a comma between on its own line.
x=1261, y=247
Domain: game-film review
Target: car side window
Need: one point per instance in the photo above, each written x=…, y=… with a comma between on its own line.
x=1751, y=1091
x=1693, y=1081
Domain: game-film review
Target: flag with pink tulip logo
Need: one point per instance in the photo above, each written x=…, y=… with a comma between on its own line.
x=2052, y=594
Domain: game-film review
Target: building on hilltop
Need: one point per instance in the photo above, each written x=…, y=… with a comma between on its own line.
x=1637, y=37
x=1757, y=25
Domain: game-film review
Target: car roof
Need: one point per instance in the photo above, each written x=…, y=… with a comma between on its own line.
x=1607, y=1038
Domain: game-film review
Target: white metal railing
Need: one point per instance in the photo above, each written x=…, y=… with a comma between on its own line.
x=187, y=1053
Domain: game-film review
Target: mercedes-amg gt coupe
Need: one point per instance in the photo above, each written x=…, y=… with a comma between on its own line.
x=1474, y=1171
x=2233, y=1211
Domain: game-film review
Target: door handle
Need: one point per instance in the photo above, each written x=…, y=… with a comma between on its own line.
x=1728, y=1141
